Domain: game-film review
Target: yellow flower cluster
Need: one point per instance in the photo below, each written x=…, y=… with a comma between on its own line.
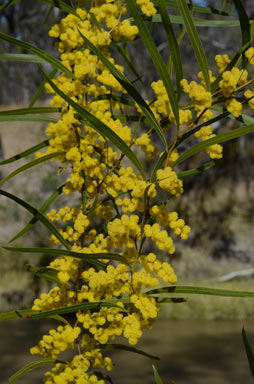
x=118, y=211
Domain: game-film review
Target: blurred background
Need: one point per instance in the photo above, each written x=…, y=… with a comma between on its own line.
x=201, y=338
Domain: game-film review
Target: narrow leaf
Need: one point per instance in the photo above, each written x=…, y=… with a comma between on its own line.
x=173, y=45
x=61, y=5
x=27, y=152
x=122, y=347
x=156, y=58
x=198, y=22
x=26, y=314
x=8, y=4
x=74, y=308
x=21, y=57
x=48, y=274
x=28, y=118
x=29, y=111
x=38, y=52
x=44, y=207
x=41, y=89
x=194, y=39
x=156, y=375
x=30, y=367
x=223, y=137
x=38, y=215
x=79, y=255
x=196, y=171
x=129, y=88
x=30, y=165
x=100, y=127
x=249, y=351
x=201, y=291
x=245, y=27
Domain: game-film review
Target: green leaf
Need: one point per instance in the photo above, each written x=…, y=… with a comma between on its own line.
x=157, y=59
x=195, y=40
x=201, y=291
x=8, y=4
x=74, y=308
x=30, y=367
x=249, y=351
x=173, y=45
x=126, y=84
x=38, y=215
x=21, y=57
x=173, y=300
x=245, y=27
x=48, y=274
x=30, y=165
x=122, y=347
x=28, y=118
x=80, y=255
x=27, y=152
x=156, y=375
x=26, y=314
x=41, y=89
x=223, y=137
x=112, y=96
x=196, y=171
x=38, y=52
x=61, y=5
x=198, y=22
x=44, y=207
x=197, y=8
x=100, y=127
x=29, y=111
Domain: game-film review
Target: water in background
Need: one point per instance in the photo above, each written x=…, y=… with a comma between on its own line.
x=191, y=352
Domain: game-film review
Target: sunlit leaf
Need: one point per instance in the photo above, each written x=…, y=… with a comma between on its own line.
x=31, y=366
x=249, y=351
x=38, y=215
x=195, y=40
x=31, y=164
x=25, y=153
x=156, y=376
x=201, y=291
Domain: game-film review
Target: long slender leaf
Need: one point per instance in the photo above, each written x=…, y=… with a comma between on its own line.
x=112, y=96
x=100, y=127
x=26, y=314
x=156, y=57
x=79, y=255
x=35, y=118
x=38, y=52
x=196, y=171
x=41, y=89
x=245, y=27
x=156, y=376
x=31, y=366
x=61, y=5
x=8, y=4
x=48, y=274
x=122, y=347
x=249, y=351
x=129, y=88
x=173, y=45
x=25, y=153
x=31, y=164
x=21, y=57
x=74, y=308
x=223, y=137
x=38, y=215
x=201, y=291
x=198, y=8
x=195, y=40
x=198, y=22
x=43, y=208
x=29, y=111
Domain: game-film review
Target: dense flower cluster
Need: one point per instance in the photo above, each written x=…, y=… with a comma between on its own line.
x=118, y=212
